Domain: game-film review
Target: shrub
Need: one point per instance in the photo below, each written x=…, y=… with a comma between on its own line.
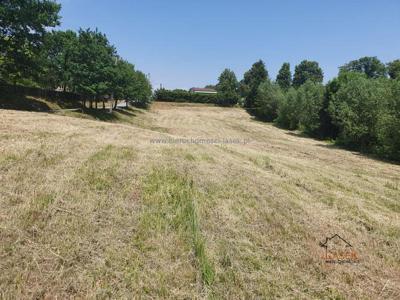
x=267, y=100
x=227, y=98
x=183, y=96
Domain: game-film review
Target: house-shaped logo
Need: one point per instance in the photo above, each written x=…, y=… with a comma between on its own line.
x=338, y=250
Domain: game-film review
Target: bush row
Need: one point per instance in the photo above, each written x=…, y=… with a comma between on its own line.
x=183, y=96
x=221, y=98
x=360, y=113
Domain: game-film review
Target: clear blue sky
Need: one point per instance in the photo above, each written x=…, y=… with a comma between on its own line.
x=188, y=43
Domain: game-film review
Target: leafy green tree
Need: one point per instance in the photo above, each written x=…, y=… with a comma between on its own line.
x=122, y=79
x=310, y=100
x=140, y=91
x=22, y=27
x=227, y=88
x=250, y=83
x=356, y=108
x=59, y=49
x=93, y=65
x=371, y=66
x=307, y=70
x=227, y=82
x=267, y=101
x=288, y=110
x=284, y=77
x=394, y=69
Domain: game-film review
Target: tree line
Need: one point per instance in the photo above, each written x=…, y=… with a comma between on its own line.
x=82, y=62
x=359, y=109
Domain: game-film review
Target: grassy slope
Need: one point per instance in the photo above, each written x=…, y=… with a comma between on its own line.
x=93, y=209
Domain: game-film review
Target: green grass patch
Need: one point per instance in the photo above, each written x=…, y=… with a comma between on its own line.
x=170, y=205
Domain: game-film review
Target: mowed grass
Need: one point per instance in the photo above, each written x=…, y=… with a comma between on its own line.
x=91, y=208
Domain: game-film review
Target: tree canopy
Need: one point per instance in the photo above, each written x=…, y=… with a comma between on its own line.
x=82, y=62
x=22, y=27
x=267, y=100
x=307, y=70
x=251, y=81
x=60, y=49
x=394, y=69
x=227, y=88
x=284, y=77
x=370, y=66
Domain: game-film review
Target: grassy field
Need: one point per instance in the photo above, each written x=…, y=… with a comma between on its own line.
x=94, y=207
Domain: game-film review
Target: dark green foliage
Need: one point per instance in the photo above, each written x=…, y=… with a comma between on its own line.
x=59, y=49
x=84, y=63
x=301, y=108
x=288, y=116
x=394, y=69
x=183, y=96
x=370, y=66
x=227, y=82
x=131, y=85
x=310, y=98
x=227, y=98
x=22, y=27
x=307, y=70
x=388, y=127
x=140, y=90
x=327, y=128
x=250, y=83
x=284, y=77
x=267, y=100
x=92, y=64
x=227, y=88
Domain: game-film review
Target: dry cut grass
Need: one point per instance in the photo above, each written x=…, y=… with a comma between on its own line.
x=94, y=209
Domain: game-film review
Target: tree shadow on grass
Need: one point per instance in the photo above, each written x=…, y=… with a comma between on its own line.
x=359, y=153
x=101, y=114
x=127, y=111
x=298, y=134
x=28, y=103
x=105, y=114
x=334, y=146
x=21, y=102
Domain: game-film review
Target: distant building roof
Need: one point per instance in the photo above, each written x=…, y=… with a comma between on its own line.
x=203, y=90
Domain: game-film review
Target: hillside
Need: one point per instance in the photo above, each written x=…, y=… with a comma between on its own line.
x=105, y=209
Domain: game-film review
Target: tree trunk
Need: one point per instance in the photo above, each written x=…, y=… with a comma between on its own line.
x=96, y=103
x=104, y=104
x=115, y=104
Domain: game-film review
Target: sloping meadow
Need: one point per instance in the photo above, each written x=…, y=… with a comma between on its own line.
x=91, y=209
